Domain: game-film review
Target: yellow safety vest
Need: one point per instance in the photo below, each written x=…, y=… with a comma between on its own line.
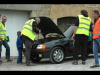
x=84, y=25
x=2, y=31
x=27, y=29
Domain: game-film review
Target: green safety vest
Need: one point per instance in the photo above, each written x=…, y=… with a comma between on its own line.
x=84, y=25
x=3, y=31
x=27, y=30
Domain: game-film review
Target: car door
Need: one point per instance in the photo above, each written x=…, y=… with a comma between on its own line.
x=71, y=45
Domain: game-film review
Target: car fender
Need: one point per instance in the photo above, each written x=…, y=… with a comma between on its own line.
x=59, y=45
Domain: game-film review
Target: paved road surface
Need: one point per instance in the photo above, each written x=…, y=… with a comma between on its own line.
x=46, y=65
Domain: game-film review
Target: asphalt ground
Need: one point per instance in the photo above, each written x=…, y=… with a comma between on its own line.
x=46, y=65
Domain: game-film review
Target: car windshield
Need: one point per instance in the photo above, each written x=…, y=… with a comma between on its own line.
x=68, y=31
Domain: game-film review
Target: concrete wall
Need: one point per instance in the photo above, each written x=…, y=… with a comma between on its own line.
x=54, y=11
x=21, y=7
x=64, y=10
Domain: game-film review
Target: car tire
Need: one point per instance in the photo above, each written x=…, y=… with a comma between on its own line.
x=57, y=55
x=35, y=57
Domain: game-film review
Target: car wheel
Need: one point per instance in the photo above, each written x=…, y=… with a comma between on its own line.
x=57, y=55
x=35, y=57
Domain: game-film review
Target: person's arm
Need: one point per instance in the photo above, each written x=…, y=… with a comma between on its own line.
x=21, y=42
x=76, y=26
x=17, y=44
x=91, y=29
x=1, y=39
x=34, y=25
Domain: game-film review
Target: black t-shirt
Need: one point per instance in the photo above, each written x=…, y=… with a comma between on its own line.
x=34, y=25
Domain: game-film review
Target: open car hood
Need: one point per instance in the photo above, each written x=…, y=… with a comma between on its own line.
x=46, y=26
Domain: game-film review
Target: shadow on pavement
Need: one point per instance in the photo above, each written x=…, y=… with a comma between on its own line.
x=47, y=61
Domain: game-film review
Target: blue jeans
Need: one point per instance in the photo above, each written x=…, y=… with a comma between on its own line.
x=19, y=59
x=96, y=44
x=5, y=44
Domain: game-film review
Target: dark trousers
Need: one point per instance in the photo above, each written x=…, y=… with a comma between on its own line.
x=80, y=40
x=27, y=43
x=19, y=59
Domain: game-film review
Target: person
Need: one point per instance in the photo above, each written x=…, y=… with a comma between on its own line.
x=19, y=44
x=96, y=37
x=83, y=25
x=28, y=35
x=3, y=40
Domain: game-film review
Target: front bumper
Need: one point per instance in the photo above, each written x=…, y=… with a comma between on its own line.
x=42, y=53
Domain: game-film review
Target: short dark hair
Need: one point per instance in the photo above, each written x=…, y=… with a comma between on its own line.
x=84, y=12
x=19, y=33
x=4, y=16
x=96, y=11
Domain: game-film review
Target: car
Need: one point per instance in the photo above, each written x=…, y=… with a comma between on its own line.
x=57, y=45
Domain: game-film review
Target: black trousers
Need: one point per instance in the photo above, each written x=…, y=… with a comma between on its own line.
x=80, y=40
x=27, y=43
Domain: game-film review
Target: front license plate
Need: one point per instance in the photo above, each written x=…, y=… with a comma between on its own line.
x=40, y=55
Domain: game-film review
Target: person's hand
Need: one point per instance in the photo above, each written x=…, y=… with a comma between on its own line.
x=1, y=39
x=39, y=31
x=73, y=36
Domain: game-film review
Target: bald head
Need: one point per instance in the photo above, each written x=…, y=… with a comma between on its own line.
x=4, y=19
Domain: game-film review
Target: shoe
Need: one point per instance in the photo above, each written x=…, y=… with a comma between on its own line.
x=83, y=62
x=94, y=65
x=31, y=64
x=18, y=63
x=8, y=60
x=75, y=62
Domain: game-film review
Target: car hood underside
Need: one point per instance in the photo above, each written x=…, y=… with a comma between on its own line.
x=46, y=26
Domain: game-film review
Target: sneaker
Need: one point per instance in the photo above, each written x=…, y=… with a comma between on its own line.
x=8, y=60
x=18, y=63
x=94, y=65
x=31, y=64
x=75, y=62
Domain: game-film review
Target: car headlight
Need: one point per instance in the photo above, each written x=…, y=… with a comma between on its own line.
x=41, y=46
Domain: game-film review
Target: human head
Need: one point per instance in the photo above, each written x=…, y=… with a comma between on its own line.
x=37, y=20
x=84, y=12
x=19, y=33
x=4, y=19
x=95, y=14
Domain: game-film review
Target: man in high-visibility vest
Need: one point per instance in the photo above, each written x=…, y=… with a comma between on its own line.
x=81, y=32
x=28, y=35
x=96, y=37
x=3, y=39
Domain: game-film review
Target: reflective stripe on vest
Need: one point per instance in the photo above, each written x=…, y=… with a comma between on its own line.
x=30, y=30
x=96, y=34
x=84, y=25
x=83, y=28
x=96, y=27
